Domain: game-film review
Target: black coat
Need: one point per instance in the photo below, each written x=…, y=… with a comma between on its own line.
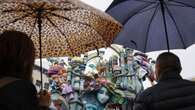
x=171, y=93
x=19, y=95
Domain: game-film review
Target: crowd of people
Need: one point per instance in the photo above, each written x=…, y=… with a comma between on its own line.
x=117, y=83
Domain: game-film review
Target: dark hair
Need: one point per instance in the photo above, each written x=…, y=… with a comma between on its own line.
x=17, y=54
x=168, y=61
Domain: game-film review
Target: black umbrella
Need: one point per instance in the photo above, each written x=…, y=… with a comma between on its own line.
x=151, y=25
x=115, y=2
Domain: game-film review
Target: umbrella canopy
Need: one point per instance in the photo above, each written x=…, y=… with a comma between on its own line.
x=151, y=25
x=115, y=2
x=59, y=27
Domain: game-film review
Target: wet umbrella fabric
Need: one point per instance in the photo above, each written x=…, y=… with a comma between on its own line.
x=59, y=27
x=115, y=2
x=151, y=25
x=67, y=27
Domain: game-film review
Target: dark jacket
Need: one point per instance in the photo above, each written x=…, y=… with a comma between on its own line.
x=171, y=93
x=19, y=95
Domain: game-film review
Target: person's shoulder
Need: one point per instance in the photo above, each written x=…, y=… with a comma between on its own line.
x=21, y=82
x=18, y=91
x=148, y=93
x=143, y=99
x=20, y=85
x=145, y=94
x=188, y=82
x=149, y=90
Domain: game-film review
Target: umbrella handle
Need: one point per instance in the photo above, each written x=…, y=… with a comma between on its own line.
x=40, y=46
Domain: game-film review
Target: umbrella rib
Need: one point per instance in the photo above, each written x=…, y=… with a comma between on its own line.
x=115, y=50
x=34, y=25
x=17, y=19
x=180, y=35
x=146, y=9
x=181, y=6
x=127, y=19
x=59, y=16
x=176, y=5
x=147, y=37
x=187, y=5
x=61, y=33
x=78, y=23
x=64, y=9
x=58, y=9
x=12, y=10
x=145, y=1
x=20, y=3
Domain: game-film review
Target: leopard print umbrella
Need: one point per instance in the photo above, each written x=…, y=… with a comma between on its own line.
x=62, y=27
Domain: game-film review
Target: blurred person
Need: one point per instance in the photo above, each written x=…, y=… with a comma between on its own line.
x=171, y=91
x=17, y=55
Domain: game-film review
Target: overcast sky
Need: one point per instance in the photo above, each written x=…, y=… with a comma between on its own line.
x=187, y=56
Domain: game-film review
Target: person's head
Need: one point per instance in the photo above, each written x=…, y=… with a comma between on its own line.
x=167, y=61
x=17, y=54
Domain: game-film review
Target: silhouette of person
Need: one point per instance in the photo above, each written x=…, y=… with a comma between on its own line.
x=17, y=54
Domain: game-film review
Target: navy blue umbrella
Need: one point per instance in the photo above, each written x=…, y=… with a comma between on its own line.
x=115, y=2
x=151, y=25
